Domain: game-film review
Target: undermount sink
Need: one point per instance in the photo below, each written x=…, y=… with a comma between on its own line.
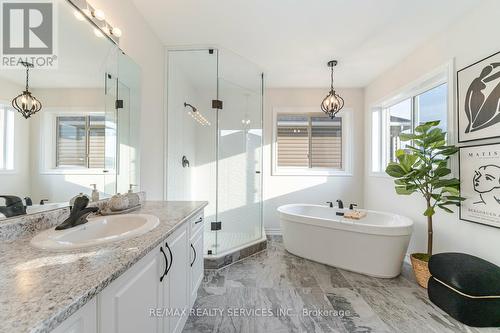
x=98, y=230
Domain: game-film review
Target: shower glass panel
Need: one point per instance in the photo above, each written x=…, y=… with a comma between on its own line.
x=192, y=79
x=222, y=146
x=239, y=190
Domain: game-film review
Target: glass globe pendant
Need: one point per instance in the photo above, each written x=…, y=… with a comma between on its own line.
x=26, y=103
x=332, y=103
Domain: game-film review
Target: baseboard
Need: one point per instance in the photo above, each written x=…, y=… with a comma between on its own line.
x=273, y=231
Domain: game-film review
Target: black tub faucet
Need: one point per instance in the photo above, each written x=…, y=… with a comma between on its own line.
x=351, y=206
x=330, y=204
x=340, y=204
x=79, y=213
x=28, y=201
x=13, y=206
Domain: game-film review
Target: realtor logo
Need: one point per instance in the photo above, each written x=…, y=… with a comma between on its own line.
x=28, y=33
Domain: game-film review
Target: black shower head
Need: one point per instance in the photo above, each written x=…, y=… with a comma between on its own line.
x=192, y=107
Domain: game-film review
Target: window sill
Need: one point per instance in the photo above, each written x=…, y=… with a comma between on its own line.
x=308, y=172
x=75, y=172
x=8, y=172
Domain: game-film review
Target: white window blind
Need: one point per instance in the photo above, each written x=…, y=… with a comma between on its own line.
x=80, y=141
x=309, y=141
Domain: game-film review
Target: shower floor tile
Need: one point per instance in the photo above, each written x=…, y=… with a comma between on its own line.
x=275, y=291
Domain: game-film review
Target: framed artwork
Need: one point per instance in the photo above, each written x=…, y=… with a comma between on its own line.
x=480, y=184
x=478, y=100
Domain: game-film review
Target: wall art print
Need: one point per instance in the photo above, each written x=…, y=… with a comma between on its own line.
x=480, y=184
x=478, y=94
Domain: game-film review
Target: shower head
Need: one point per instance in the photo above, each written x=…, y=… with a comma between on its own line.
x=192, y=107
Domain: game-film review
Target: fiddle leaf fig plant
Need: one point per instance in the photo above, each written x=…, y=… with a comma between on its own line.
x=422, y=167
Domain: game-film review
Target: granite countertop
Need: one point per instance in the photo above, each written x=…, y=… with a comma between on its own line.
x=39, y=289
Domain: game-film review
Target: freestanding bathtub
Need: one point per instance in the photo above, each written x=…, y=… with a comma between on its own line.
x=375, y=245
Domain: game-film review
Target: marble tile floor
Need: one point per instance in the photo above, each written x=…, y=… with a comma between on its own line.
x=275, y=291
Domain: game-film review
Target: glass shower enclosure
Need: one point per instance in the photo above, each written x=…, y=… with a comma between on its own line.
x=214, y=143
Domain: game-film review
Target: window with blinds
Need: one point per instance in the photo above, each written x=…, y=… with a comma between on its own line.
x=80, y=141
x=309, y=141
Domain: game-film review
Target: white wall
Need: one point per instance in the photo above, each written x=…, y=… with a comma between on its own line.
x=471, y=38
x=143, y=46
x=17, y=182
x=280, y=190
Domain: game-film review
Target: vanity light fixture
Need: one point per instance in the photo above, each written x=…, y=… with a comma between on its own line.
x=99, y=14
x=26, y=103
x=96, y=16
x=332, y=103
x=116, y=31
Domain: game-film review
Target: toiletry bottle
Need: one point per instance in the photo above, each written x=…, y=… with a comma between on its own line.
x=131, y=186
x=95, y=193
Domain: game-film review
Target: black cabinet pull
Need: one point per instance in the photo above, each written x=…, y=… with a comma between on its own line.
x=199, y=220
x=171, y=258
x=194, y=251
x=166, y=264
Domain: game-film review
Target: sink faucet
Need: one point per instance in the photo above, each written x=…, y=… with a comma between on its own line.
x=79, y=213
x=13, y=206
x=340, y=204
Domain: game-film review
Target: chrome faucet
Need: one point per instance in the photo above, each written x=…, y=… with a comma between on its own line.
x=79, y=213
x=13, y=206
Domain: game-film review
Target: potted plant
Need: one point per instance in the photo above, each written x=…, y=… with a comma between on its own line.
x=422, y=167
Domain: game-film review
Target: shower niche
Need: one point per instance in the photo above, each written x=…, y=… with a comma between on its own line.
x=214, y=145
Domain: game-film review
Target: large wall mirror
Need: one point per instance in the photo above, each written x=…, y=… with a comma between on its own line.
x=87, y=131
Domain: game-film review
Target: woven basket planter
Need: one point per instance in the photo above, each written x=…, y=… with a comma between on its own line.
x=421, y=270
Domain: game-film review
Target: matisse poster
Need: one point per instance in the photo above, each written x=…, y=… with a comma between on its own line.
x=478, y=94
x=480, y=184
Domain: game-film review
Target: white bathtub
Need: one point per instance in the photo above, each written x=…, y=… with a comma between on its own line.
x=374, y=245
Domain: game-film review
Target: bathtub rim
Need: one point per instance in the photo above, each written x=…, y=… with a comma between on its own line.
x=340, y=223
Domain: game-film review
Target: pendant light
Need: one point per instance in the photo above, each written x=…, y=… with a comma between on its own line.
x=25, y=103
x=332, y=103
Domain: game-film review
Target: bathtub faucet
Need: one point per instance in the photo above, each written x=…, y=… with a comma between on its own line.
x=340, y=204
x=351, y=206
x=330, y=203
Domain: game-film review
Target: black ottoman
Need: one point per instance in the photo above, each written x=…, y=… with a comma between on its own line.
x=466, y=287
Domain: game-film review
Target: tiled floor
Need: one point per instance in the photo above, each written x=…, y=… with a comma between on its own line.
x=275, y=291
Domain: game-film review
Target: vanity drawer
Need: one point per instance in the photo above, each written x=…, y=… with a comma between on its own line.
x=196, y=223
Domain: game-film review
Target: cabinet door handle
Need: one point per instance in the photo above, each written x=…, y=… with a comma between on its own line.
x=194, y=251
x=166, y=264
x=199, y=220
x=171, y=258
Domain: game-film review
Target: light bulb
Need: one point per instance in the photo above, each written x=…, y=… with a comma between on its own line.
x=99, y=14
x=116, y=32
x=78, y=15
x=98, y=33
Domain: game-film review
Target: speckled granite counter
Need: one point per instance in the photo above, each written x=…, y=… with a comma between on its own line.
x=40, y=289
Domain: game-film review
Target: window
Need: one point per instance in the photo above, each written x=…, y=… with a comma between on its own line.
x=402, y=117
x=6, y=138
x=80, y=141
x=308, y=143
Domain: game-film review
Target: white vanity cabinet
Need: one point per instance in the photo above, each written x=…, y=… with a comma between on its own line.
x=196, y=257
x=154, y=295
x=82, y=321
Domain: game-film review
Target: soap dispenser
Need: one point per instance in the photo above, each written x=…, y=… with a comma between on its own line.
x=95, y=193
x=130, y=189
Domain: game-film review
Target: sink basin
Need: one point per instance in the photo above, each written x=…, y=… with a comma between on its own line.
x=99, y=230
